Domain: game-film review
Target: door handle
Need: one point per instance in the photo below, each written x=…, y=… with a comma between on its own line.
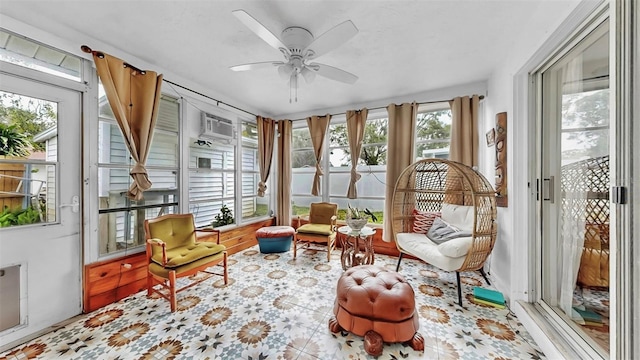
x=548, y=193
x=75, y=204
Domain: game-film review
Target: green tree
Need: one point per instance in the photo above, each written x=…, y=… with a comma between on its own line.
x=374, y=149
x=434, y=125
x=302, y=158
x=29, y=116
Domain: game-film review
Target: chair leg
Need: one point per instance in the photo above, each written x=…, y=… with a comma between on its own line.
x=484, y=275
x=328, y=251
x=149, y=283
x=172, y=291
x=459, y=289
x=295, y=246
x=399, y=259
x=226, y=273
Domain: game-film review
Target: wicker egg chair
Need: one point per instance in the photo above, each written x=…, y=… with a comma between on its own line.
x=585, y=197
x=451, y=190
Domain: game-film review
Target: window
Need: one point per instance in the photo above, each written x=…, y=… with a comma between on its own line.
x=371, y=165
x=433, y=131
x=253, y=206
x=24, y=52
x=212, y=177
x=28, y=172
x=303, y=162
x=121, y=220
x=433, y=135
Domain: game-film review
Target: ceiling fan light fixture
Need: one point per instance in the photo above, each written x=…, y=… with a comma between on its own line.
x=285, y=70
x=308, y=75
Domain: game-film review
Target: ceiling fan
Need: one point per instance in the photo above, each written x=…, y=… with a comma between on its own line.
x=299, y=48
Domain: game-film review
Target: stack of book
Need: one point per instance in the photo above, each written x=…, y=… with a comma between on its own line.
x=488, y=297
x=591, y=318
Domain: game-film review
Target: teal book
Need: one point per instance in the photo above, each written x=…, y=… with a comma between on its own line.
x=493, y=296
x=589, y=315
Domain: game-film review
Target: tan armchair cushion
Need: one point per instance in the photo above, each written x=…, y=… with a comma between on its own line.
x=319, y=229
x=182, y=255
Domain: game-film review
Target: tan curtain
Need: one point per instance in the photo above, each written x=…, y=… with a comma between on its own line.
x=266, y=134
x=464, y=130
x=134, y=97
x=318, y=126
x=283, y=211
x=400, y=144
x=356, y=121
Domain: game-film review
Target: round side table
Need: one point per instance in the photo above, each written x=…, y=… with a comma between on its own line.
x=357, y=247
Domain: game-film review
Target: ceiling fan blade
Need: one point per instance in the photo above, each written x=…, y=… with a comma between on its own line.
x=256, y=66
x=260, y=30
x=331, y=39
x=333, y=73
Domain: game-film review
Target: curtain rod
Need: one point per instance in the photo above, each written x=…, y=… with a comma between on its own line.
x=218, y=102
x=100, y=54
x=384, y=107
x=87, y=49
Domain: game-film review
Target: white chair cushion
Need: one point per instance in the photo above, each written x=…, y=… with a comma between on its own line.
x=421, y=247
x=459, y=216
x=456, y=247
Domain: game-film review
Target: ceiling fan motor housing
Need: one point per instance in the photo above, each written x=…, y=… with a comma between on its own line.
x=296, y=39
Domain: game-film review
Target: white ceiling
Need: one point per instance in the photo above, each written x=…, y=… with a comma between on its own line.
x=402, y=48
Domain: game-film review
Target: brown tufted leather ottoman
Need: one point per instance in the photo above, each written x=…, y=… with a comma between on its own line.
x=378, y=304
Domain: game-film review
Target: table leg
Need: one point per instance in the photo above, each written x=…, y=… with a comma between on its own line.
x=369, y=254
x=346, y=258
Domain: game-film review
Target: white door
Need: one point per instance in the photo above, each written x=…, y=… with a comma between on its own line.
x=47, y=250
x=574, y=194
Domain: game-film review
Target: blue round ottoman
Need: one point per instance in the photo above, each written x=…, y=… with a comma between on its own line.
x=272, y=239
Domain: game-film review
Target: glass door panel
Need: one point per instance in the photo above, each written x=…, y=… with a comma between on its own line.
x=575, y=188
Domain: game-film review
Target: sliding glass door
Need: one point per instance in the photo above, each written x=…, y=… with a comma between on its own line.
x=573, y=188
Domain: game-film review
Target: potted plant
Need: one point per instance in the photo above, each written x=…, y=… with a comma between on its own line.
x=225, y=217
x=358, y=218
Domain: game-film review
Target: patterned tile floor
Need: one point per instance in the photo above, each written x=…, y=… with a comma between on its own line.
x=277, y=308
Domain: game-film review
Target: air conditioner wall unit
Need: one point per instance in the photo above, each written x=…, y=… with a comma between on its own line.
x=216, y=127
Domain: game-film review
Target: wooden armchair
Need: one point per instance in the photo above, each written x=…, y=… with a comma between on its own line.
x=320, y=229
x=173, y=252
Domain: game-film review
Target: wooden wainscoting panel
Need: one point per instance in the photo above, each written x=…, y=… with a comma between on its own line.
x=108, y=281
x=241, y=237
x=120, y=293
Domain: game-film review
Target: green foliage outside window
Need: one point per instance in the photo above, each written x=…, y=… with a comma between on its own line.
x=375, y=134
x=13, y=142
x=19, y=216
x=27, y=116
